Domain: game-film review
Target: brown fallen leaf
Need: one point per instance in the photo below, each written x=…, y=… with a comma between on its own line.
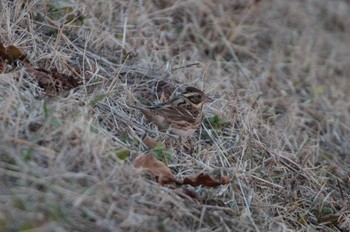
x=164, y=176
x=206, y=180
x=156, y=168
x=68, y=82
x=52, y=81
x=11, y=54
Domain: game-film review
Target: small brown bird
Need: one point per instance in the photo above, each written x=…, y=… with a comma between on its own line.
x=182, y=115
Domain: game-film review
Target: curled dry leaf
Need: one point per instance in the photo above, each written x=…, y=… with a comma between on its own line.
x=11, y=54
x=206, y=180
x=164, y=175
x=156, y=168
x=52, y=81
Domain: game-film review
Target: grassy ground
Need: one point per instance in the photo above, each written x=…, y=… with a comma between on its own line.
x=279, y=71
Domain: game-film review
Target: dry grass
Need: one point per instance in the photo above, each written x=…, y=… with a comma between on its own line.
x=279, y=73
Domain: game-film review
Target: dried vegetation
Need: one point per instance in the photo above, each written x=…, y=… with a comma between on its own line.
x=279, y=128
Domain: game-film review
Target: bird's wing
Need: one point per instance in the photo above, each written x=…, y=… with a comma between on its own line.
x=171, y=113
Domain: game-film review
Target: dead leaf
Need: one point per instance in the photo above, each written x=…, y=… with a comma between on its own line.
x=52, y=82
x=156, y=168
x=67, y=82
x=14, y=53
x=11, y=54
x=164, y=176
x=206, y=180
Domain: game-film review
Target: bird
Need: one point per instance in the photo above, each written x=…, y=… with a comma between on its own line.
x=181, y=115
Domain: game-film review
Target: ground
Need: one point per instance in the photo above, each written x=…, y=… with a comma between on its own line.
x=278, y=128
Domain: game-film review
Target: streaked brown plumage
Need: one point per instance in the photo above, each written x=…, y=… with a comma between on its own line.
x=182, y=115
